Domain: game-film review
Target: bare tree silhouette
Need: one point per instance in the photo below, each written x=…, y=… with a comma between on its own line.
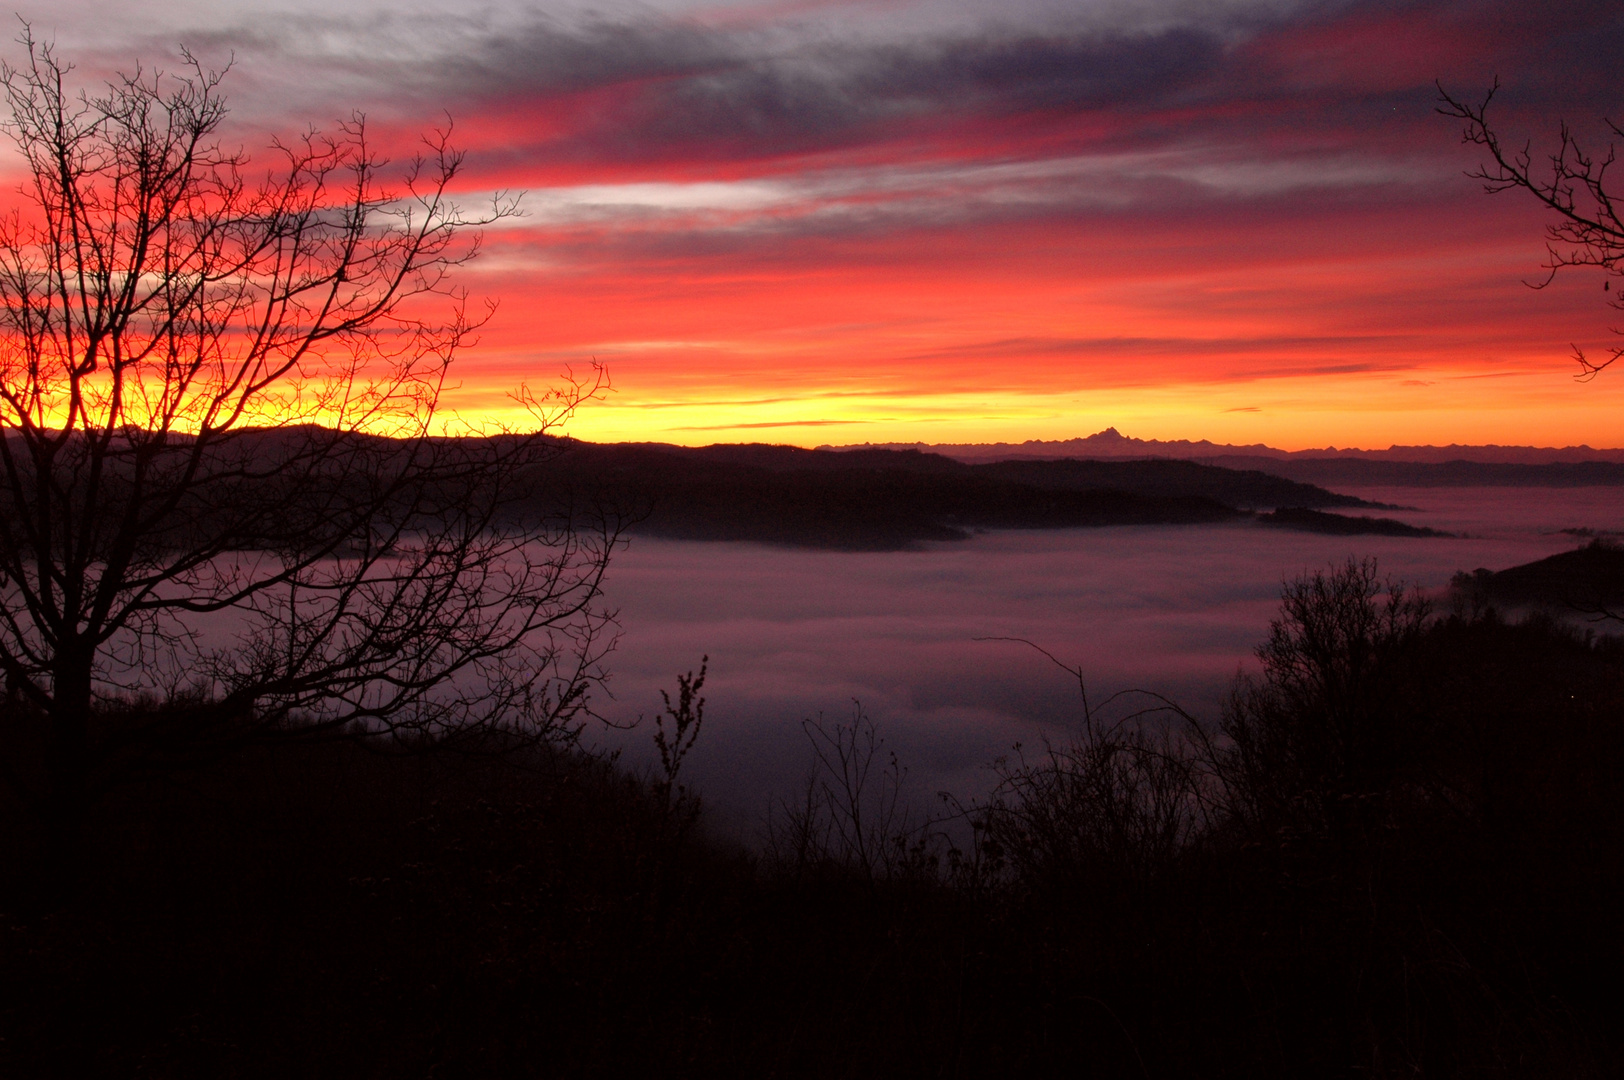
x=226, y=482
x=1574, y=183
x=1317, y=738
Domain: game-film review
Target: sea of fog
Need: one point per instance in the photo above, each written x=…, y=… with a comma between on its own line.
x=793, y=634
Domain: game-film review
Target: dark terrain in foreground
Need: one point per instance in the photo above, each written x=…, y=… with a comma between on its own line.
x=1422, y=881
x=892, y=499
x=1588, y=581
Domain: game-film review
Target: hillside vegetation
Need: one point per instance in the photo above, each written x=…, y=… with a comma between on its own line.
x=1395, y=854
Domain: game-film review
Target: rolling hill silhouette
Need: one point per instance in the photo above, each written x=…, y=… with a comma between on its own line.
x=878, y=499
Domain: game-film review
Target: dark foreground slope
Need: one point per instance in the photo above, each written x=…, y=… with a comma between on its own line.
x=331, y=911
x=1588, y=580
x=887, y=499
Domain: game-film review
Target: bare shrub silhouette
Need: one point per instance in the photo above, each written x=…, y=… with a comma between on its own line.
x=1315, y=742
x=849, y=817
x=1111, y=809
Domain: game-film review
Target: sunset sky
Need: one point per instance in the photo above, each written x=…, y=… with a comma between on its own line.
x=820, y=221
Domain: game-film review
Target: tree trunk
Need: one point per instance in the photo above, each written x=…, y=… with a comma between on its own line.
x=67, y=767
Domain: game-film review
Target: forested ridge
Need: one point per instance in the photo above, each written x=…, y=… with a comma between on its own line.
x=889, y=499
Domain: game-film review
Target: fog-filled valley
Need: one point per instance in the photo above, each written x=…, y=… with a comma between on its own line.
x=1393, y=853
x=1176, y=610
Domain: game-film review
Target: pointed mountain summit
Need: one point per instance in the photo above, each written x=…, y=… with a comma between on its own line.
x=1111, y=443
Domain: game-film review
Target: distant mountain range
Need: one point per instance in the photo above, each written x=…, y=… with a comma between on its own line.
x=1404, y=466
x=1111, y=443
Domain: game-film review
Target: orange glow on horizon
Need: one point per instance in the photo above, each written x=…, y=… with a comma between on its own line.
x=1394, y=328
x=833, y=223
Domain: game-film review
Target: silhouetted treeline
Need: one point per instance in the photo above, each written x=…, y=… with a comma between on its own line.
x=1375, y=472
x=888, y=499
x=291, y=485
x=1397, y=854
x=1306, y=520
x=1587, y=580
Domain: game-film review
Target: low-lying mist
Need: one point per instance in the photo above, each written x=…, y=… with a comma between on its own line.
x=792, y=634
